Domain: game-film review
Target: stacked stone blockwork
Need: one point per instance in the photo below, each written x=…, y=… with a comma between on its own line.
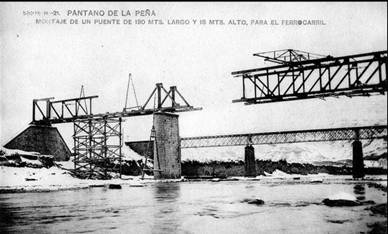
x=167, y=152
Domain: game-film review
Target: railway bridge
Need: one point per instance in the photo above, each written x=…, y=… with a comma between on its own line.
x=297, y=75
x=353, y=134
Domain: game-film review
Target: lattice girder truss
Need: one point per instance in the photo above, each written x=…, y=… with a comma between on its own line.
x=46, y=111
x=353, y=75
x=318, y=135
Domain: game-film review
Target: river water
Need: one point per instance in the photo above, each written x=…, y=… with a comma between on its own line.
x=191, y=207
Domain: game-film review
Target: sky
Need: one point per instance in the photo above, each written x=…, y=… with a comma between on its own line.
x=51, y=60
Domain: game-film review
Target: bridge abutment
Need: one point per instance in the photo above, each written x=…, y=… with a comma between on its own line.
x=250, y=162
x=43, y=139
x=167, y=151
x=358, y=160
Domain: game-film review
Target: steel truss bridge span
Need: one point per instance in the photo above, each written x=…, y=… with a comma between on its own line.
x=314, y=135
x=352, y=75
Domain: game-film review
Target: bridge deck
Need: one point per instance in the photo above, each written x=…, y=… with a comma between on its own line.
x=314, y=135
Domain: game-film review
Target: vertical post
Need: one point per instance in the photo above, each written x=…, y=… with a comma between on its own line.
x=348, y=73
x=357, y=78
x=48, y=109
x=159, y=90
x=75, y=146
x=320, y=78
x=267, y=83
x=243, y=85
x=33, y=110
x=379, y=67
x=329, y=77
x=254, y=82
x=90, y=138
x=104, y=148
x=76, y=107
x=358, y=159
x=386, y=68
x=172, y=89
x=90, y=106
x=120, y=144
x=62, y=114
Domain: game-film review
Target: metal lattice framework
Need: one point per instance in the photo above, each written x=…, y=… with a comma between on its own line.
x=316, y=135
x=287, y=56
x=61, y=111
x=301, y=75
x=71, y=110
x=97, y=147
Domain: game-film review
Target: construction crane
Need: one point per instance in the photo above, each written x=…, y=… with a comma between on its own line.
x=129, y=85
x=288, y=56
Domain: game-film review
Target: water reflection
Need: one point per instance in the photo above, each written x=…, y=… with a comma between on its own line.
x=167, y=192
x=188, y=208
x=7, y=217
x=166, y=216
x=359, y=191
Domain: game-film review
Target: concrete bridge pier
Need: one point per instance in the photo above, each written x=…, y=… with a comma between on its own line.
x=358, y=160
x=167, y=150
x=250, y=162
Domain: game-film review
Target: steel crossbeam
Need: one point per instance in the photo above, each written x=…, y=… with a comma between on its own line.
x=354, y=75
x=315, y=135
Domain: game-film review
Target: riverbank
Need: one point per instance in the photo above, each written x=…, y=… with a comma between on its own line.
x=236, y=168
x=27, y=179
x=22, y=171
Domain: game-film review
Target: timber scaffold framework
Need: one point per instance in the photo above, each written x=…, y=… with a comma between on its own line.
x=97, y=147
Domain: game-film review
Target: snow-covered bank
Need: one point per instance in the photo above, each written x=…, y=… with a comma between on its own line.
x=29, y=171
x=24, y=179
x=19, y=179
x=280, y=177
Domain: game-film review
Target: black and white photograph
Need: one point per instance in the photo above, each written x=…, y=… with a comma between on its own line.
x=193, y=117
